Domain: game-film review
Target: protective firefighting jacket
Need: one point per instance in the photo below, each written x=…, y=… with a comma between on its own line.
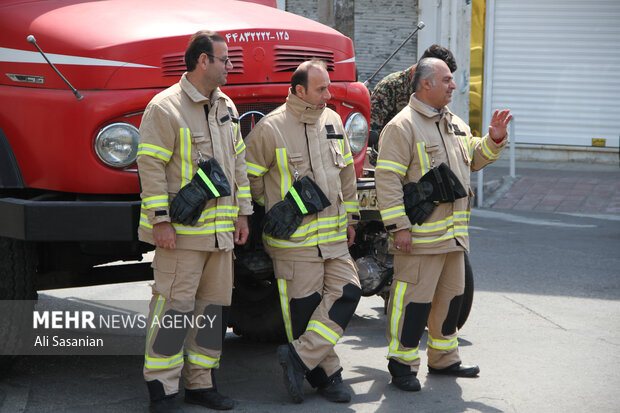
x=417, y=139
x=179, y=127
x=297, y=140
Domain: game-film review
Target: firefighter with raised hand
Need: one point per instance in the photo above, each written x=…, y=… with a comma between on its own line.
x=195, y=202
x=392, y=93
x=301, y=168
x=426, y=154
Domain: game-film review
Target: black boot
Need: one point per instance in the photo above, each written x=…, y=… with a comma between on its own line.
x=209, y=398
x=294, y=372
x=160, y=402
x=335, y=390
x=456, y=370
x=402, y=376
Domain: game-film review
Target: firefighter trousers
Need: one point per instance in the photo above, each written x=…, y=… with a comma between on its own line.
x=187, y=317
x=426, y=289
x=317, y=299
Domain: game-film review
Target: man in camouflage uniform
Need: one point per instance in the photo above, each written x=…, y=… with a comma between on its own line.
x=392, y=93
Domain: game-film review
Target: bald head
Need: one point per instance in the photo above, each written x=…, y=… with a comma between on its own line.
x=300, y=76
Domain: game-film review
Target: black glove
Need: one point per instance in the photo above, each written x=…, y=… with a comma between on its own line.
x=418, y=206
x=418, y=213
x=446, y=186
x=209, y=182
x=305, y=197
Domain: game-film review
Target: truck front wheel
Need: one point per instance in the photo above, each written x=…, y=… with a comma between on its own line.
x=18, y=268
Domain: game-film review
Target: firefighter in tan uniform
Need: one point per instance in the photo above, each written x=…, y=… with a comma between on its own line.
x=426, y=154
x=301, y=168
x=195, y=202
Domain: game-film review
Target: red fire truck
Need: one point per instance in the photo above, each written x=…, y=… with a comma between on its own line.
x=69, y=189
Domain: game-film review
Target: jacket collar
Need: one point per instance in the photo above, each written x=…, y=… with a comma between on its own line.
x=305, y=112
x=426, y=110
x=193, y=93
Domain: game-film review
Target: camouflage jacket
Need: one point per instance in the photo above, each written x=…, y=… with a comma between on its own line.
x=389, y=97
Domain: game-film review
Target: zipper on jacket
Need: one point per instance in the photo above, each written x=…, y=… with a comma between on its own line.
x=312, y=170
x=444, y=144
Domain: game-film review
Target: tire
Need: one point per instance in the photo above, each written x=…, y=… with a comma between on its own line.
x=255, y=313
x=18, y=269
x=468, y=295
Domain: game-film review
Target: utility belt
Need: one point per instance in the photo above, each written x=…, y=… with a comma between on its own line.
x=438, y=185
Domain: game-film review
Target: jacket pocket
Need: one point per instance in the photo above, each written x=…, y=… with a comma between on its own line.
x=283, y=270
x=337, y=155
x=407, y=268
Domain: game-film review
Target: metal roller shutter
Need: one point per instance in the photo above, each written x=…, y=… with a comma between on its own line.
x=556, y=64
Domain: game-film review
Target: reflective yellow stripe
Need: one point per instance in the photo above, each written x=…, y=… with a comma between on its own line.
x=256, y=170
x=442, y=344
x=157, y=362
x=392, y=166
x=487, y=151
x=155, y=151
x=286, y=314
x=351, y=206
x=207, y=228
x=243, y=192
x=202, y=360
x=348, y=159
x=394, y=212
x=240, y=147
x=260, y=201
x=186, y=156
x=310, y=241
x=424, y=161
x=324, y=331
x=208, y=182
x=155, y=201
x=285, y=176
x=397, y=313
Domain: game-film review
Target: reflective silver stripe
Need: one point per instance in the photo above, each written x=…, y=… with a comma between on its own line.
x=243, y=192
x=285, y=176
x=351, y=206
x=310, y=241
x=397, y=313
x=186, y=156
x=153, y=150
x=162, y=363
x=324, y=331
x=442, y=344
x=155, y=201
x=157, y=362
x=487, y=151
x=394, y=212
x=202, y=360
x=392, y=166
x=240, y=147
x=286, y=314
x=260, y=201
x=256, y=170
x=424, y=161
x=472, y=146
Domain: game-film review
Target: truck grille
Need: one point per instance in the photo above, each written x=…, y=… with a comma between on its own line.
x=287, y=58
x=251, y=113
x=173, y=65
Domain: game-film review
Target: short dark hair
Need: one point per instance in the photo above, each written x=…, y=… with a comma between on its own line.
x=441, y=53
x=200, y=42
x=300, y=76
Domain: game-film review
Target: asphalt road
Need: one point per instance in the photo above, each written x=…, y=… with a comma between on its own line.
x=544, y=330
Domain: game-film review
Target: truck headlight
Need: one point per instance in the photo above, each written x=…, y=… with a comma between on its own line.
x=117, y=144
x=357, y=131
